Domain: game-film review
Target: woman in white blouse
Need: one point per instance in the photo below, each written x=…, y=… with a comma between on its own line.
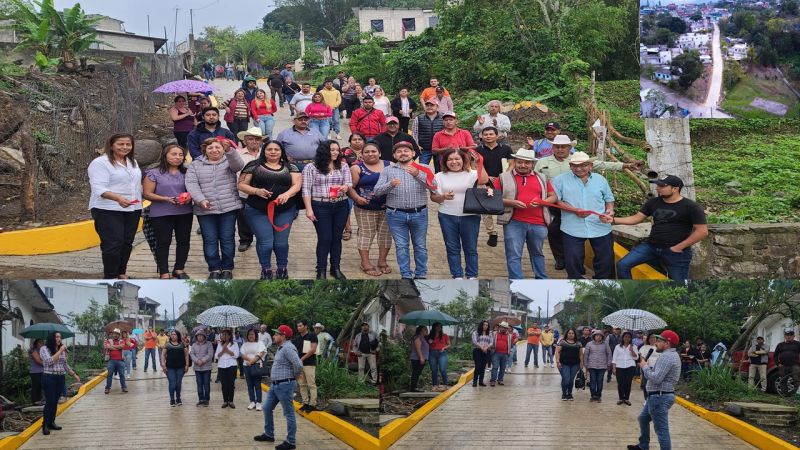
x=382, y=103
x=649, y=353
x=116, y=203
x=623, y=365
x=253, y=352
x=459, y=230
x=227, y=355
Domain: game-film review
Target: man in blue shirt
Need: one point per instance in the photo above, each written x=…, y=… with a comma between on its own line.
x=587, y=191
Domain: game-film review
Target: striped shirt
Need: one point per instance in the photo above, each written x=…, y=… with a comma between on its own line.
x=52, y=367
x=287, y=363
x=482, y=340
x=412, y=192
x=666, y=372
x=318, y=185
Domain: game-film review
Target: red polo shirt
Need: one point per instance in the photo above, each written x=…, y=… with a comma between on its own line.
x=528, y=188
x=461, y=138
x=114, y=354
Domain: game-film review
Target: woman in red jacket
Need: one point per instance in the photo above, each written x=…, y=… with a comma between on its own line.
x=320, y=114
x=262, y=111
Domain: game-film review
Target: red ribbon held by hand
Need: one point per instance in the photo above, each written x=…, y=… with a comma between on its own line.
x=478, y=158
x=223, y=139
x=572, y=209
x=271, y=216
x=428, y=174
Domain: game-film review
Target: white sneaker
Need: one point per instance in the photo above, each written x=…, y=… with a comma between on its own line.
x=258, y=406
x=552, y=365
x=251, y=405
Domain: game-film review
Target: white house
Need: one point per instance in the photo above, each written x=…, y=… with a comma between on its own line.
x=705, y=59
x=395, y=24
x=693, y=40
x=737, y=52
x=22, y=304
x=73, y=297
x=665, y=57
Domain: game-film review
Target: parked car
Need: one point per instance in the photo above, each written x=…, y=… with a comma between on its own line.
x=741, y=361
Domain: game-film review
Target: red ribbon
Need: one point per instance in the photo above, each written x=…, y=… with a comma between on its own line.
x=477, y=156
x=537, y=202
x=271, y=216
x=428, y=174
x=224, y=139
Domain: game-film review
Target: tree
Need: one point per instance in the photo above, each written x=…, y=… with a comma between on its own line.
x=92, y=322
x=322, y=20
x=606, y=297
x=467, y=310
x=673, y=24
x=689, y=68
x=732, y=74
x=697, y=16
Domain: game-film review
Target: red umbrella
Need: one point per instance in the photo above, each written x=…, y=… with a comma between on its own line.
x=510, y=319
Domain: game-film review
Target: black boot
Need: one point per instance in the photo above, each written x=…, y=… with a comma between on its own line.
x=53, y=426
x=321, y=274
x=336, y=273
x=45, y=430
x=282, y=274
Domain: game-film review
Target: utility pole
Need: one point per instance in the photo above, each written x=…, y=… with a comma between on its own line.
x=148, y=25
x=672, y=152
x=191, y=39
x=547, y=310
x=175, y=32
x=173, y=310
x=164, y=48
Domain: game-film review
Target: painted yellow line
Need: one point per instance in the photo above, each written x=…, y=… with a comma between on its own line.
x=743, y=430
x=343, y=430
x=15, y=442
x=396, y=429
x=640, y=272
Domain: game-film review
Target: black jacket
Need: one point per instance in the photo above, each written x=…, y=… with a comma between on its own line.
x=386, y=143
x=397, y=104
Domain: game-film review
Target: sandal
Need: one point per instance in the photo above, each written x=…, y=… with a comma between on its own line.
x=346, y=235
x=371, y=270
x=384, y=269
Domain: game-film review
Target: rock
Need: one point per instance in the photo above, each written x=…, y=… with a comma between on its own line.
x=734, y=192
x=45, y=106
x=337, y=409
x=779, y=194
x=733, y=184
x=11, y=160
x=733, y=409
x=147, y=151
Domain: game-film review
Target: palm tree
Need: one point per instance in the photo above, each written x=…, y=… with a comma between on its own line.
x=607, y=296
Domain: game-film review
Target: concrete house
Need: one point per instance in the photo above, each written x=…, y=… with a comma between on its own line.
x=693, y=40
x=395, y=24
x=663, y=75
x=73, y=297
x=22, y=303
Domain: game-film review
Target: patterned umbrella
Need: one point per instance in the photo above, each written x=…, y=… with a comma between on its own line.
x=226, y=316
x=634, y=319
x=184, y=86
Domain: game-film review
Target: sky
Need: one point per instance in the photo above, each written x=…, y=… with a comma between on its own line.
x=241, y=14
x=160, y=291
x=559, y=290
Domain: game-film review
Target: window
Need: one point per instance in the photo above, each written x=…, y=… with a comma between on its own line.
x=48, y=292
x=376, y=25
x=409, y=24
x=433, y=21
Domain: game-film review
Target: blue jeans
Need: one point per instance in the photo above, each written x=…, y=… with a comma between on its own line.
x=516, y=235
x=203, y=378
x=219, y=234
x=267, y=238
x=280, y=393
x=253, y=385
x=116, y=366
x=499, y=361
x=677, y=263
x=656, y=409
x=126, y=356
x=288, y=99
x=150, y=353
x=53, y=386
x=403, y=225
x=331, y=220
x=425, y=157
x=547, y=354
x=461, y=232
x=321, y=125
x=175, y=379
x=568, y=373
x=575, y=252
x=596, y=382
x=334, y=122
x=266, y=123
x=438, y=360
x=535, y=348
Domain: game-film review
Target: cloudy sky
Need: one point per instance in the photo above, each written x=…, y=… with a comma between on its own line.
x=241, y=14
x=558, y=290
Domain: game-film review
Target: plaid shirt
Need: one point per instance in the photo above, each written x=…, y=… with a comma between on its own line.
x=318, y=185
x=666, y=372
x=59, y=367
x=412, y=192
x=287, y=363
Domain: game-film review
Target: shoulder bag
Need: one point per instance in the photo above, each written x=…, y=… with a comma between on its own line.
x=259, y=368
x=478, y=201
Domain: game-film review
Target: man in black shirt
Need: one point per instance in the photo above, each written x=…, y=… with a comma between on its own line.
x=365, y=345
x=276, y=82
x=677, y=224
x=391, y=136
x=759, y=356
x=586, y=336
x=306, y=344
x=787, y=356
x=493, y=155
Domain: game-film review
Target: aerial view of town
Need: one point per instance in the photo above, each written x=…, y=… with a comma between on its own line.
x=720, y=59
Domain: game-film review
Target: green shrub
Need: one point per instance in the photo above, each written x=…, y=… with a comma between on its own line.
x=394, y=363
x=15, y=381
x=334, y=381
x=720, y=384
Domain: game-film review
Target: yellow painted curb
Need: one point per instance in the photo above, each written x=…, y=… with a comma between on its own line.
x=743, y=430
x=343, y=430
x=15, y=442
x=396, y=429
x=640, y=272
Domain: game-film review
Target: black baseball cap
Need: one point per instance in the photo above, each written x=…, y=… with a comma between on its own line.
x=789, y=332
x=552, y=125
x=669, y=180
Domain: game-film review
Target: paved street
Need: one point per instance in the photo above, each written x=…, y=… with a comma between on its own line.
x=143, y=419
x=715, y=88
x=528, y=413
x=302, y=244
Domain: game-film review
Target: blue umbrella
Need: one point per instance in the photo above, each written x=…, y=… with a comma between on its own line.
x=137, y=331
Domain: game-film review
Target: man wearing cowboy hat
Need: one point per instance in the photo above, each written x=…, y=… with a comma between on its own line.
x=557, y=164
x=678, y=222
x=252, y=138
x=586, y=191
x=523, y=222
x=502, y=343
x=285, y=369
x=116, y=364
x=324, y=340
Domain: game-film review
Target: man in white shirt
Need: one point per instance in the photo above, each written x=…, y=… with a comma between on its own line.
x=264, y=336
x=302, y=98
x=494, y=118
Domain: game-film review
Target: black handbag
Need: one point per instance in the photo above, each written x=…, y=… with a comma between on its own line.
x=259, y=368
x=580, y=380
x=478, y=201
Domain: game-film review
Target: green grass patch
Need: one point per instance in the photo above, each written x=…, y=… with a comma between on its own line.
x=737, y=100
x=334, y=381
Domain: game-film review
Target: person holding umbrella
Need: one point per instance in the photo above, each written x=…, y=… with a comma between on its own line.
x=114, y=347
x=54, y=360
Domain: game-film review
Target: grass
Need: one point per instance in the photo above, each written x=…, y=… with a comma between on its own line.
x=737, y=100
x=334, y=381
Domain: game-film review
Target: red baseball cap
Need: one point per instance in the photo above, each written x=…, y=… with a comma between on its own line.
x=392, y=119
x=669, y=336
x=284, y=330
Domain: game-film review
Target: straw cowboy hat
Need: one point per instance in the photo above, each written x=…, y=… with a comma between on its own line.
x=563, y=139
x=504, y=324
x=254, y=131
x=580, y=158
x=525, y=154
x=116, y=330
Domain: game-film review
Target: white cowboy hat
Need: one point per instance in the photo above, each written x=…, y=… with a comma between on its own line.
x=580, y=158
x=254, y=131
x=525, y=154
x=563, y=139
